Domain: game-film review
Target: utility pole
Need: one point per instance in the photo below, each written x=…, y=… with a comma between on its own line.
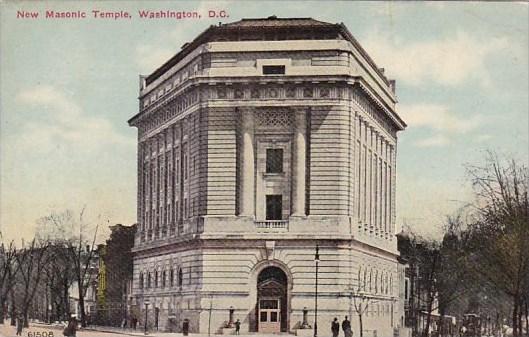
x=209, y=319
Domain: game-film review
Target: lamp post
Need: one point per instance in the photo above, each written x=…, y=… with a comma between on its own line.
x=230, y=321
x=146, y=302
x=317, y=260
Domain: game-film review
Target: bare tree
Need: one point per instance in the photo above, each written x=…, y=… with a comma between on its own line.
x=8, y=271
x=500, y=234
x=360, y=304
x=59, y=276
x=438, y=273
x=32, y=261
x=79, y=247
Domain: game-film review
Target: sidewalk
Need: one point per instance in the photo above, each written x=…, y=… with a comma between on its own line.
x=129, y=331
x=139, y=332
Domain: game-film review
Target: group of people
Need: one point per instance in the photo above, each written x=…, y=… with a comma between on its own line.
x=346, y=327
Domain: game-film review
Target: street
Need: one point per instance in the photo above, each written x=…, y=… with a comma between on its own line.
x=38, y=330
x=42, y=330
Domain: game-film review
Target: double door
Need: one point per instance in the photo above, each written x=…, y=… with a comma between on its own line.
x=270, y=315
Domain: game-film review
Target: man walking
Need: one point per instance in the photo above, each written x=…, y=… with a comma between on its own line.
x=20, y=324
x=346, y=327
x=237, y=327
x=335, y=327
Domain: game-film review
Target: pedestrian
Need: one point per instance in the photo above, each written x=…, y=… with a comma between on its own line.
x=71, y=329
x=20, y=325
x=237, y=327
x=335, y=327
x=346, y=327
x=134, y=322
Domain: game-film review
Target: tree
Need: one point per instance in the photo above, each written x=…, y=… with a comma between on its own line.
x=437, y=273
x=32, y=260
x=360, y=305
x=8, y=271
x=499, y=250
x=58, y=278
x=65, y=231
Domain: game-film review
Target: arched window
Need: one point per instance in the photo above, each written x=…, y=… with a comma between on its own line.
x=180, y=277
x=371, y=280
x=365, y=280
x=164, y=276
x=141, y=280
x=387, y=284
x=171, y=277
x=148, y=279
x=376, y=281
x=156, y=278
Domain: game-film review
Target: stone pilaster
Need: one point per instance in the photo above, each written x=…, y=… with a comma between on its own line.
x=247, y=199
x=299, y=163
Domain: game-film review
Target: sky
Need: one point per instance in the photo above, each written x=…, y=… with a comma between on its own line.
x=68, y=86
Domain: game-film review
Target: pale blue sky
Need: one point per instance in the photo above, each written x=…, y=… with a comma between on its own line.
x=69, y=86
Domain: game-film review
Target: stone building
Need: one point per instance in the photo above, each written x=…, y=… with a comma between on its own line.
x=259, y=140
x=115, y=273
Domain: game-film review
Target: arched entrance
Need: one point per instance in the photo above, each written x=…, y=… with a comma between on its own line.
x=271, y=309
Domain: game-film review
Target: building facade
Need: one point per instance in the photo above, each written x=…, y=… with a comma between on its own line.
x=115, y=274
x=258, y=141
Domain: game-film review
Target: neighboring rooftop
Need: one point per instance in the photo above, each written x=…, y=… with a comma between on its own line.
x=266, y=29
x=274, y=21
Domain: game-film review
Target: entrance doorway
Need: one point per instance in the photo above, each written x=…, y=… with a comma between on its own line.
x=271, y=307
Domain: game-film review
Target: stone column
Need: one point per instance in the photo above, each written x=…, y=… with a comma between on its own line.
x=247, y=196
x=299, y=163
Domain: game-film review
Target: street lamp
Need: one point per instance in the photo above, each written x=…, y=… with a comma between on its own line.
x=317, y=260
x=146, y=302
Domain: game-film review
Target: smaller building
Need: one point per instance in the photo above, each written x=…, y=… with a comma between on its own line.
x=115, y=277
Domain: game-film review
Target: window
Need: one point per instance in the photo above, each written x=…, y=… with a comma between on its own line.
x=273, y=70
x=274, y=207
x=274, y=160
x=156, y=279
x=148, y=280
x=180, y=277
x=185, y=160
x=171, y=277
x=163, y=278
x=141, y=280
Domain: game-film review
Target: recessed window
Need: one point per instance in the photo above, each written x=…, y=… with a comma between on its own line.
x=180, y=277
x=274, y=207
x=274, y=160
x=273, y=70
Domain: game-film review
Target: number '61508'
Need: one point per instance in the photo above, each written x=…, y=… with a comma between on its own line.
x=40, y=334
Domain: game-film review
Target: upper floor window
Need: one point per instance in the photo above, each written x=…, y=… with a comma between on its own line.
x=273, y=70
x=180, y=277
x=274, y=207
x=274, y=160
